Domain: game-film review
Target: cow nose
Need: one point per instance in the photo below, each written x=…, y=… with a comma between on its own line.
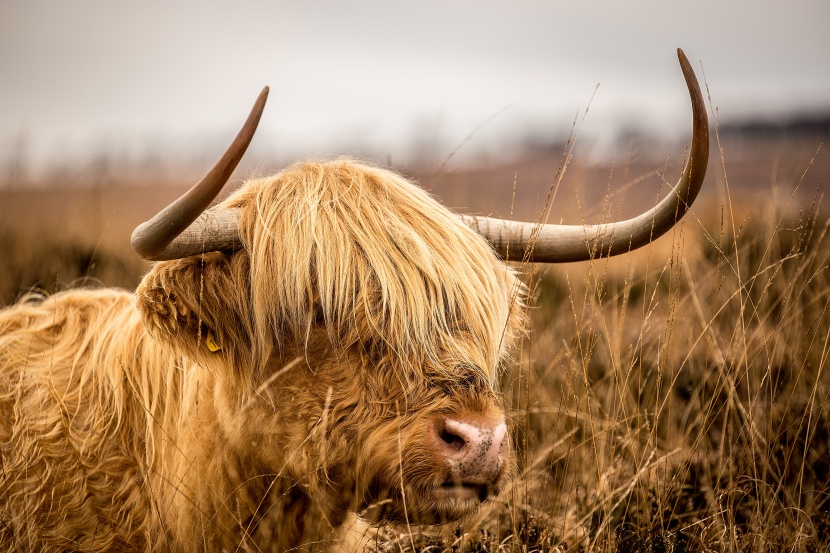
x=475, y=449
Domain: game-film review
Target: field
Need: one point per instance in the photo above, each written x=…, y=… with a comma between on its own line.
x=675, y=399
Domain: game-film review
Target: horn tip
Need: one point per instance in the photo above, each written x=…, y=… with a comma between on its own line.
x=259, y=104
x=684, y=61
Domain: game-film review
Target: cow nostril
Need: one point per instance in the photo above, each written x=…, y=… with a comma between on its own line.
x=456, y=442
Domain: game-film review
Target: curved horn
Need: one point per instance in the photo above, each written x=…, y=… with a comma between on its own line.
x=181, y=229
x=547, y=243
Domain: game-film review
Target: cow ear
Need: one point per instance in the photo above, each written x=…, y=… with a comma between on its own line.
x=196, y=303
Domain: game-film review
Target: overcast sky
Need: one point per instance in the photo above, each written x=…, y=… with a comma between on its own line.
x=89, y=76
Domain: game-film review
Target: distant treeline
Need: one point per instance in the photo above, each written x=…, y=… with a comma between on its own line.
x=800, y=126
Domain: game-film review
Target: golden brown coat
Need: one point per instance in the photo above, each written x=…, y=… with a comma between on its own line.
x=358, y=310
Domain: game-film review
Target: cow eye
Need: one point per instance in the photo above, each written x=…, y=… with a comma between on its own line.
x=470, y=378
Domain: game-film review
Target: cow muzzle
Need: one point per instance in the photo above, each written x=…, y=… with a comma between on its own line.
x=474, y=452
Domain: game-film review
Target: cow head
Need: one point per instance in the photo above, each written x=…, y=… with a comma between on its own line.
x=360, y=329
x=352, y=328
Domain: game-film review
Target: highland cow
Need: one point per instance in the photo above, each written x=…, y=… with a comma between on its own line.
x=325, y=341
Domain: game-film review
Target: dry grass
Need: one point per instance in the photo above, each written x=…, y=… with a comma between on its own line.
x=671, y=400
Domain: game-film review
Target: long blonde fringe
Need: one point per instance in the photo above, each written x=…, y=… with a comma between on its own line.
x=379, y=261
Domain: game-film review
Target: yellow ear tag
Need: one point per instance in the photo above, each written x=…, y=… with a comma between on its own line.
x=212, y=344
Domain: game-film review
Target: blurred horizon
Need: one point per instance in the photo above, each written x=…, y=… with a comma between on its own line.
x=410, y=84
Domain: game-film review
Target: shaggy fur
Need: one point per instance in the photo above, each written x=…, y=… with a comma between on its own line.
x=359, y=310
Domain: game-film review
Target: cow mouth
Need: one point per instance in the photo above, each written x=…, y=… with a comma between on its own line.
x=463, y=491
x=445, y=499
x=452, y=500
x=439, y=504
